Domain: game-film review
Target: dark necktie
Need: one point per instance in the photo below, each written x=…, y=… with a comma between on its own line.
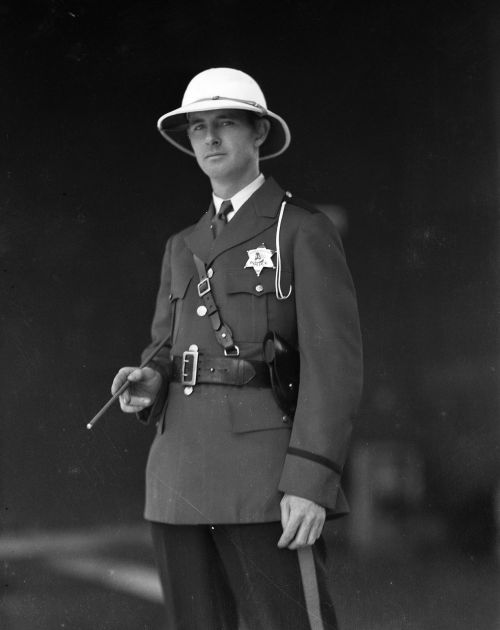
x=220, y=219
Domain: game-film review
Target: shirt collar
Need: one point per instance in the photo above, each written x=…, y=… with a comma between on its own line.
x=241, y=196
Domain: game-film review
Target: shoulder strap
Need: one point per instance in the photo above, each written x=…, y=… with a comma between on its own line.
x=223, y=333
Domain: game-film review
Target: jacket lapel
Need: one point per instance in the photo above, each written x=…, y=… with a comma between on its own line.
x=255, y=215
x=200, y=240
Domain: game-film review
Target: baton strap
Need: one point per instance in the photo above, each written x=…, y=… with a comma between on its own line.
x=222, y=371
x=310, y=585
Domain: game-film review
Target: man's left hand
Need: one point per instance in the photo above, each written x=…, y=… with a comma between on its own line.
x=302, y=521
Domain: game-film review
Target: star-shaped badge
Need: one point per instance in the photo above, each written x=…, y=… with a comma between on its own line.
x=259, y=258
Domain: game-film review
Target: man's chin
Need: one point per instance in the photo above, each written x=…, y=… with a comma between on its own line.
x=215, y=170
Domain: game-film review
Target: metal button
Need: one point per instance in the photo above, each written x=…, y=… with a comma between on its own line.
x=201, y=310
x=188, y=391
x=259, y=288
x=210, y=272
x=285, y=419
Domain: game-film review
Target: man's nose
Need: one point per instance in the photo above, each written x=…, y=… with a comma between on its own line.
x=212, y=138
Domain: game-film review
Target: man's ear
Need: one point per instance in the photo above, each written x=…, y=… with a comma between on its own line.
x=262, y=127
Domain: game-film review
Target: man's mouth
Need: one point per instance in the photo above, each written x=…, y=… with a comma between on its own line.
x=211, y=155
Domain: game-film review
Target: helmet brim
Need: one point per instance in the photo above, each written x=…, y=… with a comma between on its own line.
x=173, y=126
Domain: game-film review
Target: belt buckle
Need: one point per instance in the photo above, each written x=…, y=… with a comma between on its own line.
x=204, y=287
x=189, y=366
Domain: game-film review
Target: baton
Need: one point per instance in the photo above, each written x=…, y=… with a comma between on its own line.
x=127, y=383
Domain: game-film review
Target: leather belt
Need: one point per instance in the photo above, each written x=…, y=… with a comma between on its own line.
x=193, y=367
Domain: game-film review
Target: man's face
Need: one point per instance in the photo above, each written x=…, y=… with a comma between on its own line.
x=225, y=143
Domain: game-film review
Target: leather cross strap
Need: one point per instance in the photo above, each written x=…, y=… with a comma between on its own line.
x=223, y=333
x=223, y=371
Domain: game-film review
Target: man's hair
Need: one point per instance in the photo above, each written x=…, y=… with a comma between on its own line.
x=252, y=119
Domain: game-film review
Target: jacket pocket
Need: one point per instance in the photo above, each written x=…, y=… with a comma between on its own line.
x=246, y=304
x=257, y=410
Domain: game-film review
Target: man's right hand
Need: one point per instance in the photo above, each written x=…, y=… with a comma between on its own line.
x=144, y=386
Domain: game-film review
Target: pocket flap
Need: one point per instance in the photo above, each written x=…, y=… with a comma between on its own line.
x=268, y=417
x=247, y=281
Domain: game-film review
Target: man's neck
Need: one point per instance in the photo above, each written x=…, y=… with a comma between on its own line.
x=227, y=189
x=239, y=198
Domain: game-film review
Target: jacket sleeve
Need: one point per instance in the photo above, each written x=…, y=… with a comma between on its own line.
x=160, y=328
x=330, y=364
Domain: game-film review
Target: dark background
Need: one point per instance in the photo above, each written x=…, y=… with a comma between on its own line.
x=393, y=113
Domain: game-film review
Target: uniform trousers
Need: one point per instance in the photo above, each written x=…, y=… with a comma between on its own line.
x=226, y=577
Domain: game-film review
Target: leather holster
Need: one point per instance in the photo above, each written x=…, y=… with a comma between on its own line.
x=283, y=361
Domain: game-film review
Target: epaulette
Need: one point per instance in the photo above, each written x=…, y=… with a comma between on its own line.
x=300, y=203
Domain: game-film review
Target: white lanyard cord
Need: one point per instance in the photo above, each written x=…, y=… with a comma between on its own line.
x=277, y=278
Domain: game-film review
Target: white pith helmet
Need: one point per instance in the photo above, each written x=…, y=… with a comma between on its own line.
x=224, y=88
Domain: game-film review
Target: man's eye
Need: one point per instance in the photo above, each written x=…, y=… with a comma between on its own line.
x=196, y=127
x=227, y=123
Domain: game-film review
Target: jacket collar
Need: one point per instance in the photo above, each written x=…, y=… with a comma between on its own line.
x=257, y=214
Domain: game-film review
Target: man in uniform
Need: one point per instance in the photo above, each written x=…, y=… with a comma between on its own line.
x=237, y=489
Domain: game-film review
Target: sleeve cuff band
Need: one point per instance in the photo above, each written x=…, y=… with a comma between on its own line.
x=319, y=459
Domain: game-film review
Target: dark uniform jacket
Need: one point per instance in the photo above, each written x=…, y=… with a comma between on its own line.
x=226, y=454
